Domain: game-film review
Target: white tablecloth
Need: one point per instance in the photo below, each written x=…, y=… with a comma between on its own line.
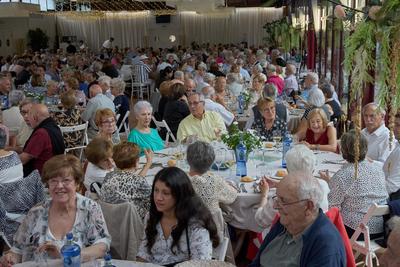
x=246, y=204
x=99, y=263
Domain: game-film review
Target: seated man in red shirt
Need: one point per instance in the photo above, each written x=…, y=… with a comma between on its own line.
x=45, y=141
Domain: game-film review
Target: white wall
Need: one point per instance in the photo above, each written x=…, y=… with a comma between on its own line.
x=159, y=33
x=15, y=28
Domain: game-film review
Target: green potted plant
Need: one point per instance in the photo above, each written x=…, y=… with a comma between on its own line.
x=37, y=39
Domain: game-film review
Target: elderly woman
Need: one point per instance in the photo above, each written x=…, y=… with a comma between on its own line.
x=354, y=195
x=72, y=84
x=12, y=117
x=266, y=123
x=106, y=122
x=257, y=87
x=11, y=167
x=319, y=135
x=176, y=108
x=142, y=135
x=69, y=116
x=121, y=101
x=234, y=85
x=51, y=97
x=99, y=155
x=123, y=184
x=200, y=73
x=105, y=82
x=299, y=158
x=211, y=188
x=45, y=226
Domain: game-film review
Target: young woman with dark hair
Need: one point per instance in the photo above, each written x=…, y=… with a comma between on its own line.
x=179, y=227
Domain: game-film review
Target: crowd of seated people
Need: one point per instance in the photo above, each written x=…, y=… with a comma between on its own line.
x=199, y=88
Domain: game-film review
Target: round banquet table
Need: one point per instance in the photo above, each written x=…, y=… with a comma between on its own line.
x=98, y=263
x=248, y=200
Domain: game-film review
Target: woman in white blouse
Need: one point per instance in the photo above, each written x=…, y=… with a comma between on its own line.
x=354, y=195
x=178, y=227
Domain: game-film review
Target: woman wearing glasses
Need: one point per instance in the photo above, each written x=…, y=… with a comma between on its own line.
x=44, y=228
x=106, y=122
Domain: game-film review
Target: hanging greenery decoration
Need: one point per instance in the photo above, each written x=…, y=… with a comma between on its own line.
x=377, y=32
x=282, y=34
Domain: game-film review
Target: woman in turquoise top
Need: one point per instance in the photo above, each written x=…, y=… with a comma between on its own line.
x=142, y=135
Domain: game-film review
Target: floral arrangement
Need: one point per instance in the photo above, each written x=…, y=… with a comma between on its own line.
x=246, y=98
x=234, y=135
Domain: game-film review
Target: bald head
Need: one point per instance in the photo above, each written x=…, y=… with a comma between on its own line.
x=37, y=114
x=94, y=90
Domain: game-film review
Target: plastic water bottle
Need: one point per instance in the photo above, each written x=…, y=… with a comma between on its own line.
x=240, y=104
x=286, y=145
x=108, y=261
x=241, y=168
x=71, y=253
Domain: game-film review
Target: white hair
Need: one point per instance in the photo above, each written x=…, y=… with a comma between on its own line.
x=314, y=77
x=179, y=74
x=208, y=92
x=104, y=79
x=316, y=98
x=258, y=67
x=202, y=65
x=209, y=77
x=300, y=158
x=140, y=105
x=309, y=188
x=271, y=68
x=119, y=84
x=378, y=109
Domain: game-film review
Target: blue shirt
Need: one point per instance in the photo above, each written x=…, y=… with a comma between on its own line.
x=322, y=244
x=150, y=140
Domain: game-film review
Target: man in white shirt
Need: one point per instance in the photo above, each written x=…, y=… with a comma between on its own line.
x=291, y=85
x=210, y=104
x=392, y=163
x=376, y=133
x=108, y=43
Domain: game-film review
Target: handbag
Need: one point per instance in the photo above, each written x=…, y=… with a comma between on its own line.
x=188, y=248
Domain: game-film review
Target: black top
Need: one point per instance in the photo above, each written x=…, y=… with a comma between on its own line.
x=175, y=111
x=110, y=71
x=337, y=111
x=121, y=103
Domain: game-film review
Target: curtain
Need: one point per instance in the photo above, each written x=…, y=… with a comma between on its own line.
x=128, y=28
x=131, y=29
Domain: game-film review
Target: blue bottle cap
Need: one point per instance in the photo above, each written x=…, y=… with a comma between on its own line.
x=107, y=257
x=69, y=236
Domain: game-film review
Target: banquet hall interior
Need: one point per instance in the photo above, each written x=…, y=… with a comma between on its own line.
x=200, y=133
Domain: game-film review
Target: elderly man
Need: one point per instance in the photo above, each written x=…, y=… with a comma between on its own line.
x=97, y=101
x=291, y=86
x=142, y=69
x=5, y=85
x=206, y=125
x=273, y=78
x=45, y=141
x=390, y=257
x=212, y=105
x=179, y=75
x=104, y=82
x=190, y=85
x=310, y=83
x=392, y=166
x=376, y=133
x=220, y=90
x=303, y=236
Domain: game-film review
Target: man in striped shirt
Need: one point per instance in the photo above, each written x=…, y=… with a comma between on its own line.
x=142, y=70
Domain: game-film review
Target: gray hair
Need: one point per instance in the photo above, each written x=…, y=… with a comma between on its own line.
x=314, y=77
x=200, y=156
x=347, y=146
x=3, y=138
x=309, y=188
x=270, y=91
x=202, y=65
x=291, y=67
x=316, y=98
x=97, y=66
x=378, y=109
x=201, y=96
x=258, y=67
x=208, y=92
x=15, y=97
x=104, y=79
x=140, y=105
x=209, y=77
x=179, y=74
x=271, y=68
x=300, y=158
x=231, y=78
x=118, y=84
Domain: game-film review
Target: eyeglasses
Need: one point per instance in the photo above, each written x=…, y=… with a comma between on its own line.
x=23, y=112
x=108, y=121
x=195, y=103
x=65, y=182
x=278, y=203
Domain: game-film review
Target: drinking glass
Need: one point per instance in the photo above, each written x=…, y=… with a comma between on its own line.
x=220, y=158
x=276, y=137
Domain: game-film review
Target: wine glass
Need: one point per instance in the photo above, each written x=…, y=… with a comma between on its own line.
x=276, y=137
x=220, y=158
